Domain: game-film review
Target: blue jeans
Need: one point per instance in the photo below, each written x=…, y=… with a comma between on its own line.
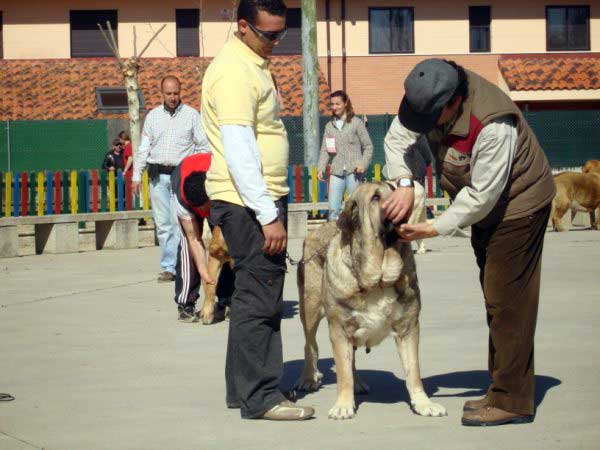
x=167, y=229
x=337, y=185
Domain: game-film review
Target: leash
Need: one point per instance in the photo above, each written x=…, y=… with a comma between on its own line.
x=293, y=262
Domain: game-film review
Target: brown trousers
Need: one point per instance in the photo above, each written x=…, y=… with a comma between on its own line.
x=509, y=256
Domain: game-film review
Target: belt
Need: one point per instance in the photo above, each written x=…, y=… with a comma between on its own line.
x=161, y=169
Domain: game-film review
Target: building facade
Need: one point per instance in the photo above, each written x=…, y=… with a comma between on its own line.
x=55, y=64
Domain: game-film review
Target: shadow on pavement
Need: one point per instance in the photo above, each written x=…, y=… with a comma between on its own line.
x=388, y=388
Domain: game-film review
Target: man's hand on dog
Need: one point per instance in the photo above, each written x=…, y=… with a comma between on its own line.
x=275, y=238
x=416, y=231
x=205, y=276
x=399, y=204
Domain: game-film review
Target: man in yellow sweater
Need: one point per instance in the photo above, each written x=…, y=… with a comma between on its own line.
x=247, y=185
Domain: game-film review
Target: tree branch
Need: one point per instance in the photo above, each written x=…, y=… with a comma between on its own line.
x=134, y=42
x=112, y=38
x=151, y=39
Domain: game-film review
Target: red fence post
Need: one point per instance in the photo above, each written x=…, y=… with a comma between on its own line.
x=94, y=191
x=429, y=181
x=24, y=194
x=128, y=192
x=57, y=193
x=298, y=183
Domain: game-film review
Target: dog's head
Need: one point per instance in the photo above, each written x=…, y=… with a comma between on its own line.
x=363, y=214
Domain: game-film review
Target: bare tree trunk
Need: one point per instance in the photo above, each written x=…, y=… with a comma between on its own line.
x=129, y=69
x=130, y=72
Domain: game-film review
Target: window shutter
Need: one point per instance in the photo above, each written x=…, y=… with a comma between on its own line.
x=188, y=32
x=86, y=39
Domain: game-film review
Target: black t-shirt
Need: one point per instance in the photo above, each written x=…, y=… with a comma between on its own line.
x=112, y=159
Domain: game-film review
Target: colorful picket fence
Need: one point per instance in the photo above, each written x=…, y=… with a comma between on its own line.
x=91, y=191
x=69, y=192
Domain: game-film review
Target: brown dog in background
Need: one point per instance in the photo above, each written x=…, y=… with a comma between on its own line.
x=591, y=166
x=576, y=192
x=217, y=256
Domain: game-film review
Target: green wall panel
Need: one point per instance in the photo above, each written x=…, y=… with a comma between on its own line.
x=54, y=145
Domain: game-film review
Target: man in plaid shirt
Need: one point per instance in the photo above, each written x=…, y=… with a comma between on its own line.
x=172, y=131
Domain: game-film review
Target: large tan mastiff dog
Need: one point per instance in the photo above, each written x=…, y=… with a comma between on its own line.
x=364, y=280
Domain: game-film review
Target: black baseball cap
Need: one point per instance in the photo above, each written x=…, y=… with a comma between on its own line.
x=428, y=88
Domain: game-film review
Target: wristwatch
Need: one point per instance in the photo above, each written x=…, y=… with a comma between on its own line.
x=405, y=182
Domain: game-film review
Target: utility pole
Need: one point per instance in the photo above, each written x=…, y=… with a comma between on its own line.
x=310, y=82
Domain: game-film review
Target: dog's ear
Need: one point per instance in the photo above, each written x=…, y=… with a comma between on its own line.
x=348, y=221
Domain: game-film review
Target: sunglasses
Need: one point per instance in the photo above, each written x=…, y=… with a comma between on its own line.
x=269, y=36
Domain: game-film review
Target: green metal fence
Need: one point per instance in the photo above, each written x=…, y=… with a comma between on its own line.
x=568, y=137
x=52, y=144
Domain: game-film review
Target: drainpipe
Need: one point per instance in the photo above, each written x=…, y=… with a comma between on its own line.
x=8, y=142
x=344, y=45
x=327, y=19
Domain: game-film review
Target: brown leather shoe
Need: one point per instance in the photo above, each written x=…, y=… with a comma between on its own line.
x=490, y=416
x=165, y=277
x=287, y=410
x=473, y=405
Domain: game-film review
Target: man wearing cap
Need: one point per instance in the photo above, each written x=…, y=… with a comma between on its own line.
x=494, y=169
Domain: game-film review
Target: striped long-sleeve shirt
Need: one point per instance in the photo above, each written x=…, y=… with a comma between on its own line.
x=168, y=138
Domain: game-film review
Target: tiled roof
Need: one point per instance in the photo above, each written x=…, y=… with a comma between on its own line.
x=551, y=71
x=65, y=89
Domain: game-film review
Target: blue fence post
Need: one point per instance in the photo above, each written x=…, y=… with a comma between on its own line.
x=120, y=191
x=291, y=184
x=322, y=195
x=49, y=192
x=16, y=194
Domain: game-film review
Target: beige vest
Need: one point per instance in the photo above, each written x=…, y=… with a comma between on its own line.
x=530, y=186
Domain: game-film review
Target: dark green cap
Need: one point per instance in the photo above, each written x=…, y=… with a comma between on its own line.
x=428, y=88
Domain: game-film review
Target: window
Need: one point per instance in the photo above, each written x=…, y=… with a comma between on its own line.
x=391, y=30
x=188, y=32
x=480, y=18
x=292, y=42
x=567, y=28
x=114, y=100
x=86, y=39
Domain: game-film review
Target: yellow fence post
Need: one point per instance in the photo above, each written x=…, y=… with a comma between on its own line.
x=73, y=192
x=145, y=191
x=7, y=194
x=111, y=191
x=314, y=185
x=40, y=193
x=377, y=172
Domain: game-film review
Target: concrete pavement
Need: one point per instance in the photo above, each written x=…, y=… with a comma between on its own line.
x=91, y=350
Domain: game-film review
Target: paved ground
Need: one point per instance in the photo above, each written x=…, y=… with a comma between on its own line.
x=91, y=350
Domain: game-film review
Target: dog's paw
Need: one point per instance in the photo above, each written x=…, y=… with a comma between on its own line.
x=360, y=387
x=342, y=411
x=207, y=315
x=421, y=250
x=429, y=409
x=310, y=383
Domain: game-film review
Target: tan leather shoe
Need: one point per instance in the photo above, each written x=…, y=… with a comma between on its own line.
x=165, y=277
x=490, y=416
x=287, y=410
x=473, y=405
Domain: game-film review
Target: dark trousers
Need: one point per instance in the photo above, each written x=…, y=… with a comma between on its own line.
x=187, y=278
x=254, y=363
x=509, y=256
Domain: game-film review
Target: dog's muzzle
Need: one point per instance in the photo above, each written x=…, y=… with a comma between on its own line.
x=389, y=234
